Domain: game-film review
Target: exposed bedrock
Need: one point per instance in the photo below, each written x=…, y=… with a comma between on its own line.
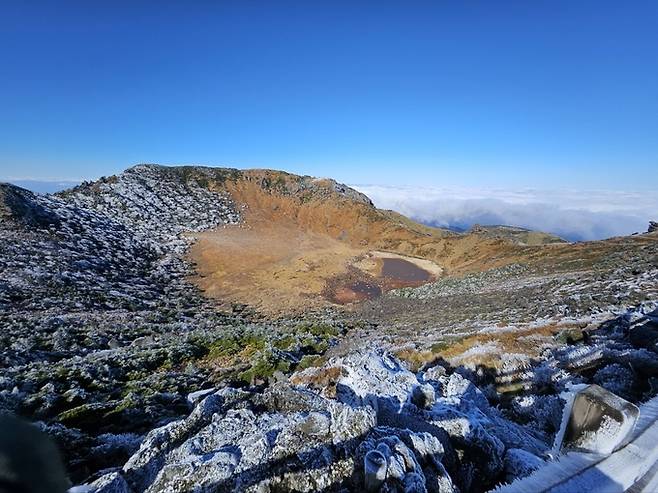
x=361, y=430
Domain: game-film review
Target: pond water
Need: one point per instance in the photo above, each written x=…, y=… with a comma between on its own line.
x=365, y=289
x=355, y=291
x=360, y=286
x=403, y=270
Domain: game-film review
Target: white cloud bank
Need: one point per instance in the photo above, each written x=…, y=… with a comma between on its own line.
x=573, y=215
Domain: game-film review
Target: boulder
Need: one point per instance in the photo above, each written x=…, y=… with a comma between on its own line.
x=374, y=466
x=109, y=483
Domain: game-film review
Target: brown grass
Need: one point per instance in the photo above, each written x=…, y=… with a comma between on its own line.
x=414, y=358
x=290, y=245
x=325, y=378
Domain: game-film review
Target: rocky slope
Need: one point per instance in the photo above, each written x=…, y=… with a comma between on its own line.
x=148, y=385
x=102, y=334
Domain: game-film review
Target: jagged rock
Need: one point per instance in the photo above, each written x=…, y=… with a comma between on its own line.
x=141, y=468
x=461, y=417
x=389, y=463
x=293, y=439
x=369, y=379
x=414, y=483
x=404, y=461
x=653, y=226
x=461, y=392
x=434, y=374
x=225, y=446
x=194, y=398
x=109, y=483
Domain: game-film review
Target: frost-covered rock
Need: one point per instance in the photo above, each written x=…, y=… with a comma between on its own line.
x=368, y=378
x=369, y=436
x=159, y=203
x=109, y=483
x=617, y=379
x=459, y=418
x=401, y=460
x=519, y=464
x=238, y=441
x=375, y=466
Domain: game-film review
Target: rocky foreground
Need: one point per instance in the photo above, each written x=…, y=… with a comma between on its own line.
x=146, y=385
x=364, y=422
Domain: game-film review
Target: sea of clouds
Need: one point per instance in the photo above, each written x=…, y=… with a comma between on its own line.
x=575, y=215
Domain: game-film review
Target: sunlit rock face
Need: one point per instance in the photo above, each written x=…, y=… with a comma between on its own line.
x=361, y=431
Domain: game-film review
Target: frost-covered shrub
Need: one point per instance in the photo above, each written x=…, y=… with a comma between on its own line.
x=616, y=378
x=543, y=412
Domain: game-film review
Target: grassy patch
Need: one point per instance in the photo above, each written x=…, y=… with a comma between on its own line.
x=318, y=329
x=264, y=368
x=233, y=346
x=285, y=343
x=414, y=358
x=308, y=361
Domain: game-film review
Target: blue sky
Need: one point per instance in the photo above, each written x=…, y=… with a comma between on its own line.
x=543, y=94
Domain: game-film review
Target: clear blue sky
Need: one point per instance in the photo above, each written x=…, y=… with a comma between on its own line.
x=525, y=93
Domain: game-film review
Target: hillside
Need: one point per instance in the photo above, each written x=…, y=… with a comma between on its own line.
x=261, y=331
x=304, y=242
x=522, y=236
